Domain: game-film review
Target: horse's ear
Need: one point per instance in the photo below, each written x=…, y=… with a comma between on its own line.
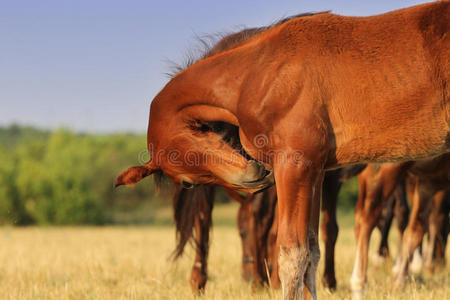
x=133, y=175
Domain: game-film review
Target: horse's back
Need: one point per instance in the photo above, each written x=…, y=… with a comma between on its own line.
x=388, y=89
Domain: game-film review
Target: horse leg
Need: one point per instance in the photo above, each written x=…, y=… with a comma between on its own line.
x=384, y=225
x=434, y=228
x=264, y=214
x=202, y=224
x=199, y=269
x=272, y=251
x=329, y=227
x=367, y=222
x=444, y=228
x=376, y=186
x=310, y=274
x=258, y=211
x=246, y=231
x=357, y=281
x=416, y=263
x=246, y=228
x=401, y=212
x=416, y=228
x=298, y=189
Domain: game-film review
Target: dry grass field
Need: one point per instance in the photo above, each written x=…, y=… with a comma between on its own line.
x=134, y=263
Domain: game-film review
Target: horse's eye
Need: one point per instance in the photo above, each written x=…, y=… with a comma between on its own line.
x=187, y=185
x=204, y=128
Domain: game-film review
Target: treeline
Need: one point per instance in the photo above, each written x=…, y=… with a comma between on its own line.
x=66, y=178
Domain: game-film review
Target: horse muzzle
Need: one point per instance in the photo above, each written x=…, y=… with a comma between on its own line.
x=256, y=177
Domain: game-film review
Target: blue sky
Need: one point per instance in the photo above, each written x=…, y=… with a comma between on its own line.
x=95, y=65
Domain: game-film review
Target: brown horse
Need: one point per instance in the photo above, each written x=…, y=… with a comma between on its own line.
x=439, y=229
x=377, y=183
x=256, y=223
x=397, y=206
x=431, y=184
x=307, y=94
x=437, y=225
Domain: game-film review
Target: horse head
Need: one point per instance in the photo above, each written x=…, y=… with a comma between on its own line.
x=195, y=143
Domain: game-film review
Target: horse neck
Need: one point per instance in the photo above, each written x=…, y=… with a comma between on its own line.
x=218, y=80
x=209, y=90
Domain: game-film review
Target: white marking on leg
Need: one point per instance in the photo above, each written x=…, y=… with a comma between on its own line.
x=416, y=263
x=293, y=262
x=378, y=259
x=396, y=266
x=357, y=282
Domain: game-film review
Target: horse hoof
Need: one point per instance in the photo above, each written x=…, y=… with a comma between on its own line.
x=329, y=283
x=378, y=259
x=416, y=263
x=415, y=268
x=396, y=267
x=358, y=288
x=429, y=268
x=358, y=295
x=398, y=285
x=198, y=282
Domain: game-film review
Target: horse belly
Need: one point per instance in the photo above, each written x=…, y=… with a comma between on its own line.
x=397, y=137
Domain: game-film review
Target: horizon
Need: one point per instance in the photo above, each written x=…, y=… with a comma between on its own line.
x=95, y=67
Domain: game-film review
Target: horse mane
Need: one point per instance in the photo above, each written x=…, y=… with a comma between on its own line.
x=162, y=182
x=189, y=206
x=212, y=44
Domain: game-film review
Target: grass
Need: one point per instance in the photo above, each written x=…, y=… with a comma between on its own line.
x=134, y=263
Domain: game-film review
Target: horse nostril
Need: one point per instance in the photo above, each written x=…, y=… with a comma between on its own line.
x=187, y=185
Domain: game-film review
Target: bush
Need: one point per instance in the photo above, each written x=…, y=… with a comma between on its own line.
x=66, y=178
